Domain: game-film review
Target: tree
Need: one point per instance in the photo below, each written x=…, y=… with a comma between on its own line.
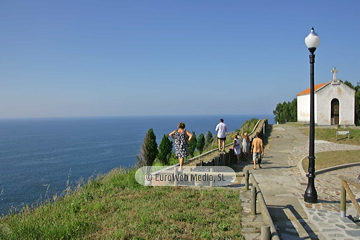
x=293, y=110
x=357, y=107
x=278, y=112
x=349, y=84
x=200, y=143
x=357, y=100
x=286, y=112
x=148, y=150
x=165, y=150
x=192, y=145
x=208, y=138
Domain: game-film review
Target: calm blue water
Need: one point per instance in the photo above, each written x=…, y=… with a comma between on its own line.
x=39, y=156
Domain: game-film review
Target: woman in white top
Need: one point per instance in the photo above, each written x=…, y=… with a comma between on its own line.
x=236, y=148
x=245, y=145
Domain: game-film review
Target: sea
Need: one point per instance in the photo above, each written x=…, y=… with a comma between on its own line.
x=40, y=158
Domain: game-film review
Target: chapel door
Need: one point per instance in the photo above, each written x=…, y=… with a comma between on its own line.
x=335, y=112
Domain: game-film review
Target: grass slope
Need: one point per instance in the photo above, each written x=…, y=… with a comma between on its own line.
x=114, y=206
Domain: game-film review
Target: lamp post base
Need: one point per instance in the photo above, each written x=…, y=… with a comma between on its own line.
x=310, y=195
x=310, y=199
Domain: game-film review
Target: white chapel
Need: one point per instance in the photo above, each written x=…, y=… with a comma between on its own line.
x=334, y=103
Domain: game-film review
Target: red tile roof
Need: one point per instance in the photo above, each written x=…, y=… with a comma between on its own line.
x=316, y=87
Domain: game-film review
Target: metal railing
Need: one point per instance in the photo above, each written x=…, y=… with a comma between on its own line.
x=346, y=190
x=268, y=230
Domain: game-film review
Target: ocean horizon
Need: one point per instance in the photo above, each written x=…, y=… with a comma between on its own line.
x=40, y=157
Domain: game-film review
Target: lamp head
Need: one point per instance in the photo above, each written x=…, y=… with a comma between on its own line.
x=312, y=41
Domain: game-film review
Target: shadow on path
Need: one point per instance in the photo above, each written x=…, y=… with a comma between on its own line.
x=293, y=219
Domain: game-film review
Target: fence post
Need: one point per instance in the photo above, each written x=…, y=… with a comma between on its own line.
x=343, y=200
x=253, y=200
x=227, y=160
x=216, y=161
x=231, y=156
x=265, y=232
x=247, y=180
x=222, y=161
x=263, y=128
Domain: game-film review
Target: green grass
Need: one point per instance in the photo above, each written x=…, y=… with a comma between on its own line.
x=115, y=206
x=329, y=134
x=294, y=123
x=249, y=125
x=335, y=158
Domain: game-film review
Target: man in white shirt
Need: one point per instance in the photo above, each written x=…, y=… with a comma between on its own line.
x=221, y=128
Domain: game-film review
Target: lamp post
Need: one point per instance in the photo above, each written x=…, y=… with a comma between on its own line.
x=310, y=196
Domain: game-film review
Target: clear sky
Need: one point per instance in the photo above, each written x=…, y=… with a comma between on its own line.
x=150, y=57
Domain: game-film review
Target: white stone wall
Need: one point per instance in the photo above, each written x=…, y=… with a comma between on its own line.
x=346, y=97
x=303, y=105
x=303, y=108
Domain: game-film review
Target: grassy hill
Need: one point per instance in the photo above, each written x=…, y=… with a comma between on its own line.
x=115, y=206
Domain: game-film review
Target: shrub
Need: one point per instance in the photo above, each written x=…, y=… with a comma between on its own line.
x=200, y=143
x=192, y=145
x=148, y=150
x=165, y=149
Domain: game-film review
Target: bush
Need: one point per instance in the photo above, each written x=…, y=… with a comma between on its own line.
x=148, y=150
x=200, y=143
x=208, y=138
x=165, y=149
x=192, y=145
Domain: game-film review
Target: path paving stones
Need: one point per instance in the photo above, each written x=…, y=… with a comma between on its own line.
x=283, y=182
x=324, y=215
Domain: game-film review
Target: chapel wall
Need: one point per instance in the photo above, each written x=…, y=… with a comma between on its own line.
x=303, y=108
x=345, y=95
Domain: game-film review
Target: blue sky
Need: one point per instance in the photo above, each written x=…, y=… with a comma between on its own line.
x=117, y=58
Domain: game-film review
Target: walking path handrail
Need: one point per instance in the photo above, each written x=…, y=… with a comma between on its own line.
x=261, y=122
x=346, y=189
x=263, y=208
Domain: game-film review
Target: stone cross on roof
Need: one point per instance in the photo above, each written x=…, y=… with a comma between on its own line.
x=334, y=71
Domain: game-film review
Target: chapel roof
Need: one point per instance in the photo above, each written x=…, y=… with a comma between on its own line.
x=316, y=87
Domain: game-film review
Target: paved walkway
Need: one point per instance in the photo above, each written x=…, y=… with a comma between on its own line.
x=283, y=184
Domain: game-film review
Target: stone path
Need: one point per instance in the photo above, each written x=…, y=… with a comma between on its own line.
x=323, y=218
x=283, y=182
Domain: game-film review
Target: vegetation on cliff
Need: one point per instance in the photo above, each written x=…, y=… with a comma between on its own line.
x=286, y=112
x=357, y=100
x=148, y=150
x=248, y=126
x=165, y=150
x=115, y=206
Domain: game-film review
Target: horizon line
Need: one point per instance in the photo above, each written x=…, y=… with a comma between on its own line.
x=132, y=116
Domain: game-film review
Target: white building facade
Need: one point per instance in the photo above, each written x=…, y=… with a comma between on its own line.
x=334, y=103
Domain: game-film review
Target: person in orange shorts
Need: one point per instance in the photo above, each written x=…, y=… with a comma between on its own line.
x=257, y=149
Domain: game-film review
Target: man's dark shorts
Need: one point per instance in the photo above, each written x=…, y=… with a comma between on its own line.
x=222, y=138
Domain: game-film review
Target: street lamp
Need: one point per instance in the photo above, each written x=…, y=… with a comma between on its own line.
x=310, y=196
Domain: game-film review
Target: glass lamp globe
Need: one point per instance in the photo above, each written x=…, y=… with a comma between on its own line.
x=312, y=41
